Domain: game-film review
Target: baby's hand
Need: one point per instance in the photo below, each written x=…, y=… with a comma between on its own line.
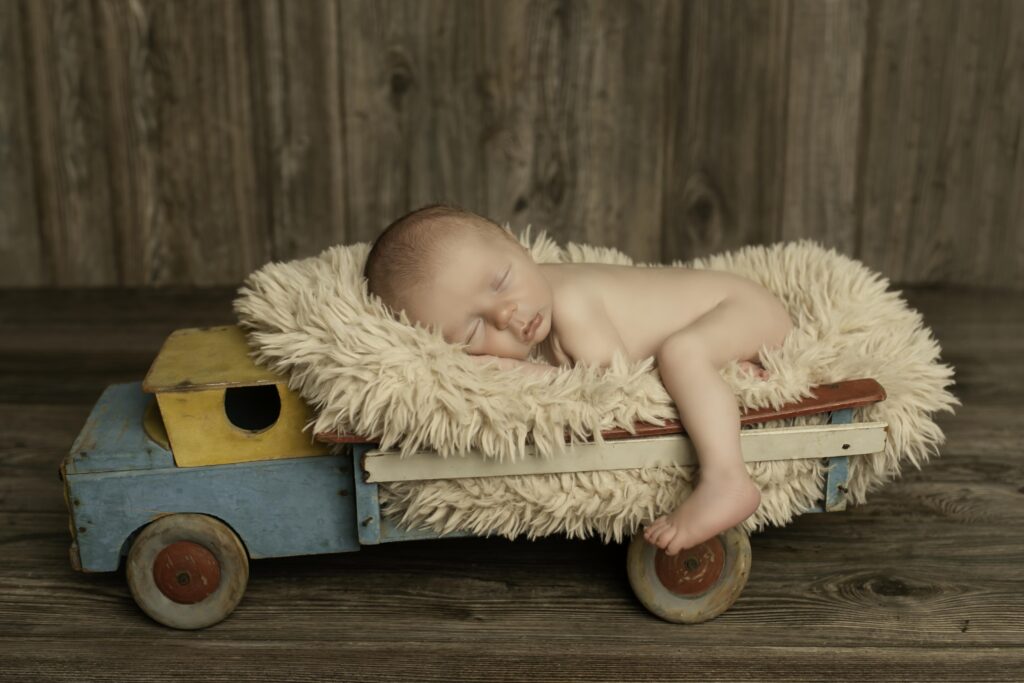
x=753, y=369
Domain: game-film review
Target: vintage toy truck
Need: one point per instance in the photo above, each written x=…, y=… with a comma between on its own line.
x=204, y=465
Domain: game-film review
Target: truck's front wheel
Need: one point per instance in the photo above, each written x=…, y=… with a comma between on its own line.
x=187, y=571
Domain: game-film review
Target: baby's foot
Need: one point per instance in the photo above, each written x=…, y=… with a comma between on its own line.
x=716, y=504
x=753, y=368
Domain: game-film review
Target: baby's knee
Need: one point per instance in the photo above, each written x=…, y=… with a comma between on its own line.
x=683, y=350
x=769, y=315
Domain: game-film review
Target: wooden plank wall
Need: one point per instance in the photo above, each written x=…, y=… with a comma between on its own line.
x=145, y=142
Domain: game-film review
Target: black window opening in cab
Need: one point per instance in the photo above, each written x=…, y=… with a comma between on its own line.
x=253, y=409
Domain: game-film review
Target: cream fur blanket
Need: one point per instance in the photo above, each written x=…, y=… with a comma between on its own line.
x=364, y=373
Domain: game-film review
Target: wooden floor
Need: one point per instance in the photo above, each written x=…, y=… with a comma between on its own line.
x=924, y=582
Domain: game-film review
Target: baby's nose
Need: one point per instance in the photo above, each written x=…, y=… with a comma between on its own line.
x=505, y=316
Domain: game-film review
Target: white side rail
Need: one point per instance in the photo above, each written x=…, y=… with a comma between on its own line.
x=759, y=445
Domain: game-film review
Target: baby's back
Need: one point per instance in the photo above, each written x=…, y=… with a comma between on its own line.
x=648, y=304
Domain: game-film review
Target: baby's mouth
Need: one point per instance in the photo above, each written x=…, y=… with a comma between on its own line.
x=531, y=327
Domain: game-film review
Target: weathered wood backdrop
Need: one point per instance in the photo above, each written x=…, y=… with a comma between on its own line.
x=146, y=142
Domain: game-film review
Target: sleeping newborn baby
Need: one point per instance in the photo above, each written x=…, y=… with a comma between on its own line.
x=460, y=273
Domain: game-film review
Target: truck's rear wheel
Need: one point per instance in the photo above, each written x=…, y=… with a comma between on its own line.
x=695, y=585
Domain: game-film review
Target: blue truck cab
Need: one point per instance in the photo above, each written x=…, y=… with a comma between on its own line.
x=209, y=450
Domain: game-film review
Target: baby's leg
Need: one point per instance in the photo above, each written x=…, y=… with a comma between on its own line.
x=724, y=495
x=689, y=364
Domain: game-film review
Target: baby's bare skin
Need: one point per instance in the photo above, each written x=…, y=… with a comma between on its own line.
x=692, y=321
x=639, y=308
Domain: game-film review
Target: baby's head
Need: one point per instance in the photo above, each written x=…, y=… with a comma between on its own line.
x=462, y=274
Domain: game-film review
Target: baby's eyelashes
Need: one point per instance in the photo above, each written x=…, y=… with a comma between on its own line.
x=504, y=279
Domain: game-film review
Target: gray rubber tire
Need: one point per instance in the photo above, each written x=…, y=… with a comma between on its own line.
x=206, y=531
x=689, y=609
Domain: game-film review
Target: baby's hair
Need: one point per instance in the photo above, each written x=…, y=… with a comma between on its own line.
x=410, y=249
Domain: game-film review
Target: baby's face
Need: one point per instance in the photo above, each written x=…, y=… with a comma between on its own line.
x=486, y=295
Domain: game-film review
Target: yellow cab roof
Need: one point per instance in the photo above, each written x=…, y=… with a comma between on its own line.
x=199, y=358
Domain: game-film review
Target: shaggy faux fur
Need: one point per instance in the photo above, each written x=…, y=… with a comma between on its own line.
x=365, y=373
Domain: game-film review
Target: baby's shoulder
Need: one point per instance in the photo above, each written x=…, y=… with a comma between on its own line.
x=575, y=300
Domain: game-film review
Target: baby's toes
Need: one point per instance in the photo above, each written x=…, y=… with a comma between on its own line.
x=664, y=537
x=658, y=523
x=654, y=527
x=676, y=545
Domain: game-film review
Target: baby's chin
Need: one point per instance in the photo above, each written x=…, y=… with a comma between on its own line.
x=537, y=343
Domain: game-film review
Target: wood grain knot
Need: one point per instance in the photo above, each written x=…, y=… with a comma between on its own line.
x=703, y=207
x=400, y=80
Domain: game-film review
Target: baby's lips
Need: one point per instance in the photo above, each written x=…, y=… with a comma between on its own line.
x=532, y=327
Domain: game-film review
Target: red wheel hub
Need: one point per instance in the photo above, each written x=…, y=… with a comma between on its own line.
x=186, y=572
x=693, y=570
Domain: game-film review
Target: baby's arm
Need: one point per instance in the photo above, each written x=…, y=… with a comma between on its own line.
x=588, y=333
